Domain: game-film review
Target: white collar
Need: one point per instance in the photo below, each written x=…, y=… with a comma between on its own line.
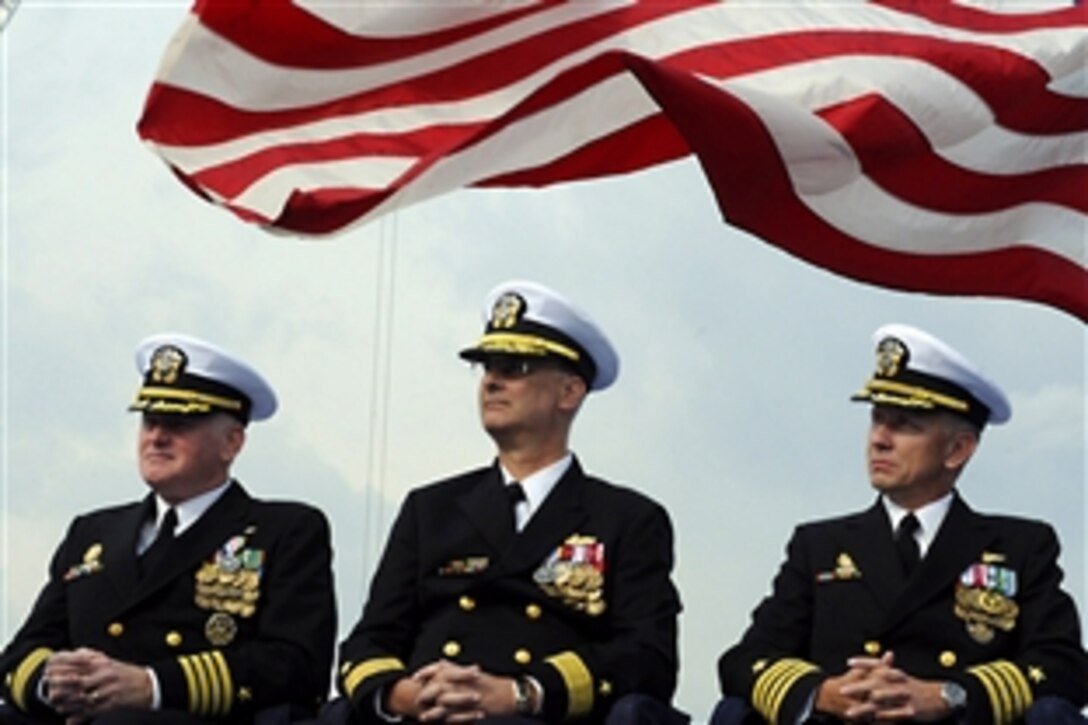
x=538, y=485
x=930, y=517
x=190, y=510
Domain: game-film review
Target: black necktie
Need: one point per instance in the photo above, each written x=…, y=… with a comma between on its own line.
x=906, y=544
x=155, y=553
x=516, y=494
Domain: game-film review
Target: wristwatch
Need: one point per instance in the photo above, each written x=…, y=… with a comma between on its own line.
x=954, y=696
x=523, y=696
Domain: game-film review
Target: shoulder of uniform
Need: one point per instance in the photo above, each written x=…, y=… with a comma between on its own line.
x=618, y=495
x=832, y=523
x=288, y=510
x=455, y=484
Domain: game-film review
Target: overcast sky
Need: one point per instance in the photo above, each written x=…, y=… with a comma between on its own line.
x=737, y=361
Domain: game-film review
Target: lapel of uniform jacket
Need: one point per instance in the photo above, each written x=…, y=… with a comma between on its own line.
x=488, y=509
x=868, y=540
x=224, y=518
x=959, y=540
x=119, y=546
x=562, y=512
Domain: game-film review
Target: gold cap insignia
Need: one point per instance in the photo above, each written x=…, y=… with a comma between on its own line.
x=891, y=354
x=167, y=362
x=507, y=310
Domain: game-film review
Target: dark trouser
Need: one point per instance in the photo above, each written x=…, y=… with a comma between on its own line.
x=734, y=711
x=628, y=710
x=123, y=716
x=1045, y=711
x=644, y=710
x=1054, y=711
x=277, y=715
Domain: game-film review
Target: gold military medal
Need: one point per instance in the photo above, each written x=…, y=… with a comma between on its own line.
x=985, y=599
x=574, y=573
x=230, y=582
x=220, y=629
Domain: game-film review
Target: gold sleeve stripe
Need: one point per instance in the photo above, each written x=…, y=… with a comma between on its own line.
x=986, y=679
x=1008, y=690
x=24, y=672
x=215, y=686
x=1017, y=685
x=578, y=680
x=774, y=684
x=369, y=668
x=203, y=706
x=224, y=677
x=190, y=681
x=514, y=342
x=215, y=695
x=208, y=679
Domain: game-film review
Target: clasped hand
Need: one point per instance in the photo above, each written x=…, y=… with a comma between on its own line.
x=83, y=683
x=873, y=689
x=447, y=692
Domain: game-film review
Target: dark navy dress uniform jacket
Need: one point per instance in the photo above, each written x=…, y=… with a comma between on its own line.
x=1013, y=638
x=271, y=646
x=456, y=582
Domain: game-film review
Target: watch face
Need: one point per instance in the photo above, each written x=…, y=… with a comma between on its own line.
x=954, y=695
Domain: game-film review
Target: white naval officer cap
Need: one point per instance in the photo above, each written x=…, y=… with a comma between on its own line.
x=527, y=319
x=914, y=369
x=185, y=376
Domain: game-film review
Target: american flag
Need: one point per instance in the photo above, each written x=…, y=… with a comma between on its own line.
x=928, y=145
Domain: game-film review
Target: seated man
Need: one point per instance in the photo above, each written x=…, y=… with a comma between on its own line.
x=526, y=589
x=918, y=609
x=197, y=604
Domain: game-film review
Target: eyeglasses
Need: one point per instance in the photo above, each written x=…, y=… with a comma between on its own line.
x=509, y=366
x=176, y=424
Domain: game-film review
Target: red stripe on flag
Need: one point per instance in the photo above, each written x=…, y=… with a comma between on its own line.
x=259, y=27
x=374, y=118
x=948, y=13
x=899, y=158
x=767, y=205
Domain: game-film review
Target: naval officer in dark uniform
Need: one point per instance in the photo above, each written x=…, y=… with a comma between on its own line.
x=197, y=604
x=527, y=589
x=918, y=609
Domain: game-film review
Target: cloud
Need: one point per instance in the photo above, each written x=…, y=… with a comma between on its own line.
x=737, y=359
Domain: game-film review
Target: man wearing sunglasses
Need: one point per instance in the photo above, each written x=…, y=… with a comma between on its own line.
x=527, y=590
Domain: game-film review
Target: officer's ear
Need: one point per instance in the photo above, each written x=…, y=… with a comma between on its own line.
x=961, y=445
x=232, y=437
x=573, y=392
